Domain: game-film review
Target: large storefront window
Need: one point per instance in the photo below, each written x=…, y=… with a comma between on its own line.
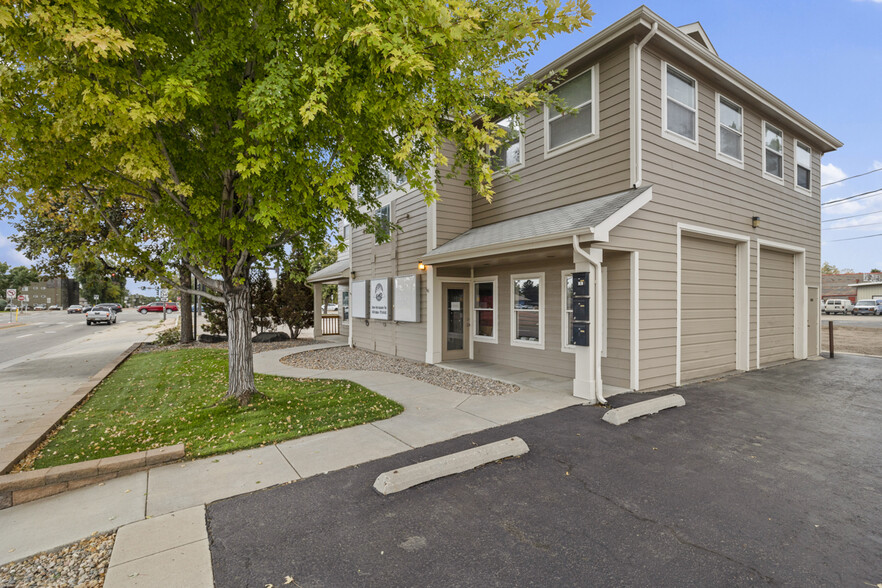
x=527, y=328
x=485, y=311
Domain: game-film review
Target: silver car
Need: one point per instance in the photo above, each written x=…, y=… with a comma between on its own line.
x=101, y=314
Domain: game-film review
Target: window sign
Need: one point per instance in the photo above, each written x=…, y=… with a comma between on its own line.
x=407, y=299
x=358, y=299
x=379, y=299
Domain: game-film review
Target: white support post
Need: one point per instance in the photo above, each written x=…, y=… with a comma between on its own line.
x=317, y=309
x=433, y=317
x=587, y=381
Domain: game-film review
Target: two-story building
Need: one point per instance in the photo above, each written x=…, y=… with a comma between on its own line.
x=686, y=193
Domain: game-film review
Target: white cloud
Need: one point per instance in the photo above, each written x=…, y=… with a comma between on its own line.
x=830, y=173
x=10, y=254
x=876, y=163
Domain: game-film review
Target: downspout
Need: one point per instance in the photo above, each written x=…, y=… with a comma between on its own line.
x=638, y=115
x=598, y=312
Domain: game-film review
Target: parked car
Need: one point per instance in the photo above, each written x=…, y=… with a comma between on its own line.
x=100, y=314
x=74, y=309
x=55, y=307
x=40, y=307
x=12, y=308
x=156, y=306
x=867, y=306
x=117, y=308
x=87, y=308
x=838, y=306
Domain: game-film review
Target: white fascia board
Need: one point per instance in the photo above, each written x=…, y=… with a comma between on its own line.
x=601, y=231
x=551, y=240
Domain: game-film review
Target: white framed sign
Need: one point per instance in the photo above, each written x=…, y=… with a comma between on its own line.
x=407, y=298
x=379, y=299
x=358, y=299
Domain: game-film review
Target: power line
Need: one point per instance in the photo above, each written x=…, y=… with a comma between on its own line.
x=854, y=238
x=851, y=226
x=861, y=195
x=850, y=177
x=830, y=220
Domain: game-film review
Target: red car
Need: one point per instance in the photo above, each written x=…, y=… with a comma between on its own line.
x=157, y=307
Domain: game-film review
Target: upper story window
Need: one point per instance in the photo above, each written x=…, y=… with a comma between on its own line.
x=347, y=233
x=803, y=171
x=730, y=130
x=680, y=107
x=510, y=154
x=773, y=151
x=384, y=220
x=570, y=130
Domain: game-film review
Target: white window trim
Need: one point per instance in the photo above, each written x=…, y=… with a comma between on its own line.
x=522, y=121
x=485, y=280
x=766, y=174
x=725, y=157
x=340, y=289
x=513, y=321
x=595, y=117
x=796, y=186
x=671, y=135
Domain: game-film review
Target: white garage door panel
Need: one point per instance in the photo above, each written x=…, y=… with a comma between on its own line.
x=707, y=308
x=776, y=306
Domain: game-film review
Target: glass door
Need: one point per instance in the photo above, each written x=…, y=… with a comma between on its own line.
x=455, y=322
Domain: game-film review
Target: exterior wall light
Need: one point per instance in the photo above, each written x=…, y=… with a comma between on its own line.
x=755, y=222
x=421, y=266
x=352, y=274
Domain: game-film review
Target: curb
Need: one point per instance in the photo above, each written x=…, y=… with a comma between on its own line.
x=27, y=441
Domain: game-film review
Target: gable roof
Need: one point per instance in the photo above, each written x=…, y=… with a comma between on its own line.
x=590, y=219
x=696, y=32
x=336, y=271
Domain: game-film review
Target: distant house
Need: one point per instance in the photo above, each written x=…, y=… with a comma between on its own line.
x=683, y=194
x=868, y=286
x=846, y=285
x=60, y=291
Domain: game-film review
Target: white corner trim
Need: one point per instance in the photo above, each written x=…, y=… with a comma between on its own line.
x=484, y=280
x=635, y=320
x=670, y=135
x=595, y=117
x=542, y=303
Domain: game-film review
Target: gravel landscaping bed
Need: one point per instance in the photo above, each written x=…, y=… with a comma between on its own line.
x=82, y=564
x=346, y=358
x=258, y=347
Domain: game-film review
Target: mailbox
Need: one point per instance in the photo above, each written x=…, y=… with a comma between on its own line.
x=580, y=284
x=580, y=334
x=580, y=309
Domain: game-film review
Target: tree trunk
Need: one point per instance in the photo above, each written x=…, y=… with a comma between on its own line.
x=184, y=308
x=241, y=372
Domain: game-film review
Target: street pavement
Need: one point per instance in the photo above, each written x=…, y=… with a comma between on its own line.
x=768, y=477
x=51, y=354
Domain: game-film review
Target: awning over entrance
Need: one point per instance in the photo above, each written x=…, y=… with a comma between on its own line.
x=336, y=271
x=590, y=220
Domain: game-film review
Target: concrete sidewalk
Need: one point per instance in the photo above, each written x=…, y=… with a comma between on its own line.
x=431, y=414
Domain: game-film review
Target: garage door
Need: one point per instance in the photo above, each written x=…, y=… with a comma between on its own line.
x=707, y=308
x=776, y=306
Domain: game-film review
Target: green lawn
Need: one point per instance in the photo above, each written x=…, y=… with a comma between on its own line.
x=164, y=398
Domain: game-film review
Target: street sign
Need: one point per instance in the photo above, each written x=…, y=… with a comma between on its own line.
x=95, y=297
x=10, y=293
x=21, y=297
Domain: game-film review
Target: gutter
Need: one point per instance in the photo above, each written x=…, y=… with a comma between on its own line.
x=638, y=115
x=598, y=312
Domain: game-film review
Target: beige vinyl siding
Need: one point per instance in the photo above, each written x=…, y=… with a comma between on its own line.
x=707, y=303
x=776, y=306
x=550, y=359
x=452, y=212
x=695, y=188
x=616, y=366
x=595, y=169
x=398, y=258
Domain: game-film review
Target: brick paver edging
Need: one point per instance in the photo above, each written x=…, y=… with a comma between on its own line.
x=27, y=441
x=24, y=487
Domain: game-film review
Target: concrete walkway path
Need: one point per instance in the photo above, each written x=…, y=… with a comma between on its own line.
x=431, y=414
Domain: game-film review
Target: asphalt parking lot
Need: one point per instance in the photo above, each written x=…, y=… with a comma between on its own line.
x=769, y=477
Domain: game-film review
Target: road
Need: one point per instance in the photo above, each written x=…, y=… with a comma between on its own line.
x=51, y=354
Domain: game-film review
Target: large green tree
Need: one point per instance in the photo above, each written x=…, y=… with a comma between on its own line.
x=217, y=132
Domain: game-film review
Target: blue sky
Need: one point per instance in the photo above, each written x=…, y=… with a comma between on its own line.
x=823, y=58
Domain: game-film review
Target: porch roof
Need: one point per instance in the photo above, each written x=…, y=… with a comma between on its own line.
x=336, y=271
x=590, y=220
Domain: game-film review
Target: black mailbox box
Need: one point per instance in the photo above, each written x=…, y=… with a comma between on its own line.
x=580, y=334
x=580, y=284
x=580, y=309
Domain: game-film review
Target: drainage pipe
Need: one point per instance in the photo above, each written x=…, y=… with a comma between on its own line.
x=638, y=115
x=598, y=312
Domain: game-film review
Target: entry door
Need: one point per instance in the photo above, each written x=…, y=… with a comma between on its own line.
x=456, y=322
x=813, y=313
